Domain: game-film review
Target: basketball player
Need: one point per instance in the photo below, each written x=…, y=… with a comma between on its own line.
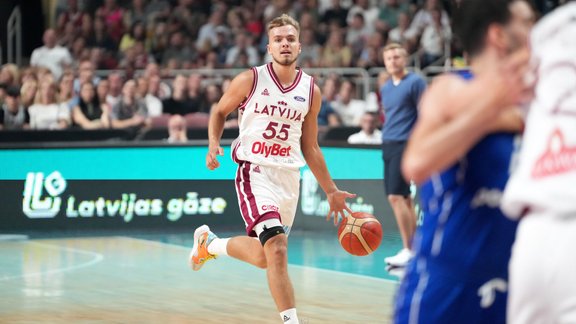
x=278, y=105
x=400, y=97
x=542, y=282
x=460, y=154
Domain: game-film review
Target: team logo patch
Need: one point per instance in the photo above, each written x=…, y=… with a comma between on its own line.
x=557, y=159
x=298, y=98
x=265, y=92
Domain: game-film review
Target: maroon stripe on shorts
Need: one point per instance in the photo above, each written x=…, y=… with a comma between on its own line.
x=241, y=197
x=248, y=190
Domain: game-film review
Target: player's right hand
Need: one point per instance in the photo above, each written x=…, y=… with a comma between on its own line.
x=211, y=160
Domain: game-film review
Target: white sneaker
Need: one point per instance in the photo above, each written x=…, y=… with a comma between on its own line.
x=401, y=259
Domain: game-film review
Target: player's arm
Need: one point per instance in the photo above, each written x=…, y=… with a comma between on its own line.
x=315, y=160
x=455, y=115
x=509, y=120
x=237, y=92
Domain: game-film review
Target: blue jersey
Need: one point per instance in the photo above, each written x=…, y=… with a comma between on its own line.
x=463, y=223
x=464, y=242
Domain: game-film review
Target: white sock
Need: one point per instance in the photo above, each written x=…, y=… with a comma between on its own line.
x=218, y=246
x=289, y=316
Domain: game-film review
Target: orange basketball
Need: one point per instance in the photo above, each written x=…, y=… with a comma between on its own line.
x=360, y=233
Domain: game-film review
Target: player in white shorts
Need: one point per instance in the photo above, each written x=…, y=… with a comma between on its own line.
x=542, y=192
x=278, y=105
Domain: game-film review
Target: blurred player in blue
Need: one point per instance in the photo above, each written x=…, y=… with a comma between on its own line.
x=460, y=154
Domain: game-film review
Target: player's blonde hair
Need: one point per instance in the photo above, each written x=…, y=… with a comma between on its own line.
x=393, y=46
x=283, y=20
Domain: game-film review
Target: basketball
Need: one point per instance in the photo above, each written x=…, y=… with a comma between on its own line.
x=360, y=233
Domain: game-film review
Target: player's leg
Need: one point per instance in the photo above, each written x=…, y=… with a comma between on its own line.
x=247, y=249
x=275, y=245
x=398, y=191
x=405, y=217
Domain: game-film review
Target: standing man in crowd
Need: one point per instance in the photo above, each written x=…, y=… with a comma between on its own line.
x=400, y=98
x=278, y=106
x=461, y=155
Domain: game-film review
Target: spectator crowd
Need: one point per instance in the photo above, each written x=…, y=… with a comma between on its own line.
x=115, y=64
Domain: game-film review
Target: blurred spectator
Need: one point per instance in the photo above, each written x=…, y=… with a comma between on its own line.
x=153, y=104
x=434, y=38
x=135, y=12
x=253, y=23
x=177, y=130
x=179, y=103
x=89, y=113
x=161, y=89
x=101, y=38
x=335, y=53
x=372, y=53
x=86, y=73
x=115, y=82
x=357, y=34
x=67, y=35
x=51, y=56
x=157, y=10
x=66, y=87
x=369, y=134
x=28, y=92
x=79, y=51
x=47, y=113
x=349, y=110
x=112, y=14
x=327, y=117
x=136, y=57
x=129, y=111
x=189, y=15
x=235, y=20
x=311, y=50
x=87, y=27
x=335, y=13
x=369, y=13
x=278, y=7
x=137, y=32
x=177, y=49
x=242, y=43
x=13, y=115
x=402, y=34
x=102, y=90
x=207, y=35
x=423, y=17
x=72, y=14
x=196, y=93
x=10, y=75
x=159, y=40
x=213, y=95
x=390, y=13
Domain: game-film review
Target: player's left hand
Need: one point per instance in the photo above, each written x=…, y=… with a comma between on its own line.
x=337, y=201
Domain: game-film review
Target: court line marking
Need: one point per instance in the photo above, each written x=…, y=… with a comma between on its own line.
x=290, y=264
x=97, y=258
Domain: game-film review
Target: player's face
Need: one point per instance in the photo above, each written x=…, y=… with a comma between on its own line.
x=283, y=44
x=521, y=22
x=395, y=60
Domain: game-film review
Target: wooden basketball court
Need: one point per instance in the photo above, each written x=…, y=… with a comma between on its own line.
x=130, y=280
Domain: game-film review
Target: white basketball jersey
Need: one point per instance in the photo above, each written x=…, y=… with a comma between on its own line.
x=545, y=179
x=271, y=119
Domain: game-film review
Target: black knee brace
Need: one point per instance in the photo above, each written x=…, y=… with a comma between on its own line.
x=269, y=233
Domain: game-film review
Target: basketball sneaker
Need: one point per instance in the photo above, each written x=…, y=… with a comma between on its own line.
x=401, y=259
x=199, y=254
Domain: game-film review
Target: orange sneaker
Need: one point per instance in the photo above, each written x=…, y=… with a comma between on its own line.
x=199, y=254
